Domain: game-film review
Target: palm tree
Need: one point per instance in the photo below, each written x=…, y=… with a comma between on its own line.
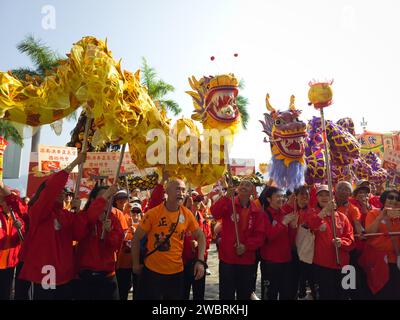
x=45, y=60
x=242, y=103
x=158, y=89
x=7, y=132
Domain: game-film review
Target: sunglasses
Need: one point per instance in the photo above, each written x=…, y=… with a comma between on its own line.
x=391, y=197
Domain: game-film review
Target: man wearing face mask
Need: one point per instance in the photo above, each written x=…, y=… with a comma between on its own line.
x=161, y=277
x=236, y=266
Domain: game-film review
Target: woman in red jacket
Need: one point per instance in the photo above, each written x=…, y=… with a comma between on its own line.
x=190, y=250
x=327, y=271
x=237, y=262
x=276, y=252
x=96, y=258
x=10, y=243
x=385, y=248
x=47, y=250
x=20, y=209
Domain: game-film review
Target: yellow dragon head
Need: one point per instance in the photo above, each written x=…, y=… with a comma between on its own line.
x=214, y=101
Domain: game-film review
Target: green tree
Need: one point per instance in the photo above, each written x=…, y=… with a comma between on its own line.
x=158, y=89
x=45, y=60
x=242, y=103
x=9, y=132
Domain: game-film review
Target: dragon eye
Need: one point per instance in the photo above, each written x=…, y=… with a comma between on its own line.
x=297, y=120
x=278, y=122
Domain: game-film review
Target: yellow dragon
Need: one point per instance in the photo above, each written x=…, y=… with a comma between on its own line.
x=121, y=108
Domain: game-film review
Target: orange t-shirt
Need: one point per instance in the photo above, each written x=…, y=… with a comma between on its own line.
x=157, y=223
x=383, y=243
x=351, y=212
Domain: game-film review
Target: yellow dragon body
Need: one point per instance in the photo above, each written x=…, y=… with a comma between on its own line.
x=121, y=108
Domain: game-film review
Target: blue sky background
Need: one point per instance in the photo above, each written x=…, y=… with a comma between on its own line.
x=281, y=45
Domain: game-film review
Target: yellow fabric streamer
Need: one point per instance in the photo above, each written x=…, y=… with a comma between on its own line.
x=123, y=111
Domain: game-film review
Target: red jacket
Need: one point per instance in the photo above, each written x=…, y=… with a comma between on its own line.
x=157, y=197
x=251, y=230
x=10, y=244
x=51, y=232
x=21, y=212
x=324, y=250
x=188, y=254
x=279, y=239
x=95, y=254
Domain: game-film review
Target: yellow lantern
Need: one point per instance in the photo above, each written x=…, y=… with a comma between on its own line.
x=320, y=94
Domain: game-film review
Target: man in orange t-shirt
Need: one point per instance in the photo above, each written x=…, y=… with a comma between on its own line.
x=162, y=275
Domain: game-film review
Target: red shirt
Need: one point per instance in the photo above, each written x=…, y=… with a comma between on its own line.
x=95, y=254
x=156, y=198
x=279, y=239
x=21, y=212
x=10, y=244
x=324, y=250
x=251, y=230
x=51, y=232
x=188, y=254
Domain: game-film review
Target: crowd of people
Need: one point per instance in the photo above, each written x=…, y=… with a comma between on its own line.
x=156, y=247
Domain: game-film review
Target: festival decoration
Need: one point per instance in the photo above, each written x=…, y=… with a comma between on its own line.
x=122, y=110
x=320, y=95
x=286, y=134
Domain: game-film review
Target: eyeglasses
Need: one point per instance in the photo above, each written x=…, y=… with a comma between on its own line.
x=392, y=197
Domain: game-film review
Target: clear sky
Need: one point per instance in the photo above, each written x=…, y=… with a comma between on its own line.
x=281, y=46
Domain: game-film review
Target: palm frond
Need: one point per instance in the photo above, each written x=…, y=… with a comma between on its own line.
x=159, y=89
x=170, y=105
x=21, y=73
x=9, y=132
x=148, y=74
x=242, y=84
x=242, y=103
x=41, y=55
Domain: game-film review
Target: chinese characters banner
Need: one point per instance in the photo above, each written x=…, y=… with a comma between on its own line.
x=52, y=158
x=243, y=167
x=391, y=160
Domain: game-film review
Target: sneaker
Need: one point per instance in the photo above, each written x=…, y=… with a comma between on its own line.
x=208, y=272
x=254, y=296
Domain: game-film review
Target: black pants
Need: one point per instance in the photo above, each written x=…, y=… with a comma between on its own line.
x=235, y=279
x=97, y=286
x=126, y=279
x=21, y=286
x=307, y=277
x=198, y=286
x=329, y=283
x=6, y=280
x=156, y=286
x=391, y=290
x=294, y=276
x=61, y=292
x=277, y=279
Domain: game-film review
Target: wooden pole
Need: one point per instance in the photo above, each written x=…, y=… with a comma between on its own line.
x=232, y=196
x=329, y=176
x=84, y=148
x=21, y=237
x=110, y=202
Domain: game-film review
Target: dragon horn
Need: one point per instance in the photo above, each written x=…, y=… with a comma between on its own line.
x=270, y=108
x=291, y=105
